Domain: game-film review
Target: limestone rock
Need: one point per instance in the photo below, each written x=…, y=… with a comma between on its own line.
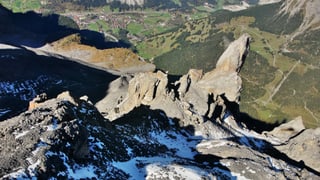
x=224, y=79
x=297, y=142
x=304, y=147
x=127, y=93
x=287, y=130
x=233, y=58
x=66, y=96
x=190, y=92
x=37, y=100
x=194, y=94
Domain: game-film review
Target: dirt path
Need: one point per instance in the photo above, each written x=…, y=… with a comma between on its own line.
x=275, y=91
x=310, y=112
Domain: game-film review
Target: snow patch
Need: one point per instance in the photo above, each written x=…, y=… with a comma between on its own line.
x=4, y=111
x=170, y=171
x=95, y=142
x=139, y=139
x=208, y=144
x=136, y=166
x=76, y=171
x=18, y=135
x=7, y=57
x=32, y=168
x=129, y=151
x=273, y=165
x=53, y=126
x=224, y=174
x=25, y=90
x=176, y=142
x=248, y=138
x=19, y=174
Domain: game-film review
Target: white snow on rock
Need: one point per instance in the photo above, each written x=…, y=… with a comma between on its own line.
x=174, y=171
x=4, y=111
x=74, y=171
x=52, y=126
x=18, y=135
x=178, y=143
x=24, y=90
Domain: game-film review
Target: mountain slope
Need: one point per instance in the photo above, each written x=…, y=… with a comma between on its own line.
x=310, y=10
x=66, y=137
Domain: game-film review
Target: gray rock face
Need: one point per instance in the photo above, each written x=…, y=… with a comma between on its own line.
x=233, y=58
x=288, y=130
x=298, y=143
x=52, y=126
x=304, y=148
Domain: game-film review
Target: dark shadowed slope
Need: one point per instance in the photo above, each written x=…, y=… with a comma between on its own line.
x=23, y=75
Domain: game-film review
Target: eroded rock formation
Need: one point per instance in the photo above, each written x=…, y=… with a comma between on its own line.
x=194, y=95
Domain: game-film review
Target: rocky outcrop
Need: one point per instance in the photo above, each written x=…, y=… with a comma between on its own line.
x=297, y=142
x=304, y=148
x=288, y=130
x=37, y=100
x=28, y=139
x=194, y=95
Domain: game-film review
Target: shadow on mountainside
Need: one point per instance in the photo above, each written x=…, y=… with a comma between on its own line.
x=24, y=74
x=256, y=124
x=243, y=117
x=35, y=30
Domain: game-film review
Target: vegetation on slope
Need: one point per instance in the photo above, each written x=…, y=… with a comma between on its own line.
x=113, y=58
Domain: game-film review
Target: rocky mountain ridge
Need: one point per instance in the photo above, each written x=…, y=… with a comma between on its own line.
x=150, y=126
x=309, y=11
x=115, y=60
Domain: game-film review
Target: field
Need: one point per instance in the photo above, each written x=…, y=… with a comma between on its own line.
x=22, y=5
